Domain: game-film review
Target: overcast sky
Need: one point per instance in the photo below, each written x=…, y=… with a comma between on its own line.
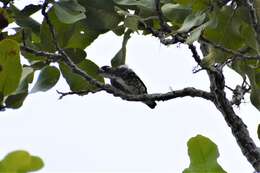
x=99, y=132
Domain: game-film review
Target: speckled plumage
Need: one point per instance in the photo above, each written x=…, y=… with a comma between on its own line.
x=126, y=80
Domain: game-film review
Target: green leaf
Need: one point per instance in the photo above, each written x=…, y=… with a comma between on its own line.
x=101, y=15
x=119, y=58
x=141, y=3
x=10, y=67
x=20, y=162
x=175, y=13
x=197, y=5
x=132, y=22
x=25, y=21
x=78, y=35
x=239, y=67
x=107, y=5
x=38, y=64
x=78, y=83
x=28, y=22
x=255, y=97
x=258, y=131
x=257, y=77
x=82, y=36
x=30, y=9
x=47, y=78
x=252, y=71
x=102, y=20
x=16, y=161
x=248, y=34
x=76, y=55
x=196, y=33
x=227, y=27
x=69, y=11
x=203, y=155
x=36, y=163
x=64, y=33
x=15, y=101
x=191, y=21
x=26, y=79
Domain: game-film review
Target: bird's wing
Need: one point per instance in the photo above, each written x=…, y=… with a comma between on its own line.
x=135, y=80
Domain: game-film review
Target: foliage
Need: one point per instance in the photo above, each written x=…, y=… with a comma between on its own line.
x=203, y=156
x=57, y=46
x=78, y=24
x=20, y=162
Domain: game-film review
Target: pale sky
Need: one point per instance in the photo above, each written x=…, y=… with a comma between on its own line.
x=101, y=133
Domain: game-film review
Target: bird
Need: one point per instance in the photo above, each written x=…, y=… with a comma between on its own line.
x=126, y=80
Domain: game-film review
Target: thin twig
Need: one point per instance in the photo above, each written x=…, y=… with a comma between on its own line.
x=195, y=54
x=238, y=55
x=54, y=57
x=83, y=92
x=164, y=26
x=66, y=58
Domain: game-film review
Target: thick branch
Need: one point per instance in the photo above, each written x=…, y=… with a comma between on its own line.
x=238, y=128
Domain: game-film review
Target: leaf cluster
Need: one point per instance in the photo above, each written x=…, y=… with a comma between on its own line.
x=227, y=30
x=78, y=23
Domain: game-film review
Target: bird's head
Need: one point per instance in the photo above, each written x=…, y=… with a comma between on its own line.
x=113, y=72
x=106, y=71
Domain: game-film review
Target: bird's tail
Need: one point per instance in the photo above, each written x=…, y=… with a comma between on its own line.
x=151, y=104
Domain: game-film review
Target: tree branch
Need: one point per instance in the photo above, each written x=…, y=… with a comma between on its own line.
x=67, y=59
x=164, y=26
x=108, y=88
x=54, y=57
x=238, y=55
x=195, y=54
x=238, y=128
x=82, y=93
x=189, y=91
x=253, y=15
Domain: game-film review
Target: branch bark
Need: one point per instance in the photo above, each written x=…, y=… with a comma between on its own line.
x=238, y=128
